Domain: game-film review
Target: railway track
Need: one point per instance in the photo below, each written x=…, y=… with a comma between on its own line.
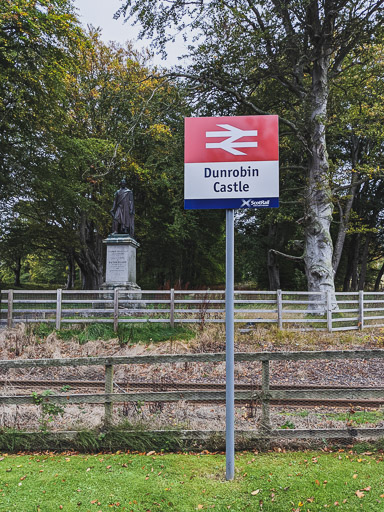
x=69, y=386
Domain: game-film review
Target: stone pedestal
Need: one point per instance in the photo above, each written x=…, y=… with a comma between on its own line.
x=121, y=262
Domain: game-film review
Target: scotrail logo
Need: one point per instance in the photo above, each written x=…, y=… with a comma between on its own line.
x=251, y=203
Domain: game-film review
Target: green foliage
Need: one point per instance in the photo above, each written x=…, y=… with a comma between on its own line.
x=78, y=115
x=87, y=441
x=13, y=440
x=39, y=37
x=49, y=410
x=109, y=116
x=287, y=425
x=46, y=267
x=40, y=330
x=127, y=333
x=153, y=333
x=282, y=58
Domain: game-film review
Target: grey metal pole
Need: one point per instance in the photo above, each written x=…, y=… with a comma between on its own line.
x=230, y=350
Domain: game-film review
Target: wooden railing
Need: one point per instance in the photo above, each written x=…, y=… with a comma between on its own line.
x=262, y=396
x=285, y=309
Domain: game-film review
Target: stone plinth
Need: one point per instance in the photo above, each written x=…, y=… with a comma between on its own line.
x=121, y=262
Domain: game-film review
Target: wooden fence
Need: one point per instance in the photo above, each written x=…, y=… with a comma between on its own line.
x=304, y=310
x=262, y=396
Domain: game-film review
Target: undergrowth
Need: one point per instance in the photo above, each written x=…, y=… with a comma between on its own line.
x=126, y=334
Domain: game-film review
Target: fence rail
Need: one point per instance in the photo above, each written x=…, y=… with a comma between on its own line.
x=264, y=395
x=304, y=310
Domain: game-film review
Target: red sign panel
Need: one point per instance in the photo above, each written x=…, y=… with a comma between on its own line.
x=231, y=139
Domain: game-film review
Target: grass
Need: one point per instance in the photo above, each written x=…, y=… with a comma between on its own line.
x=358, y=417
x=351, y=418
x=128, y=333
x=273, y=482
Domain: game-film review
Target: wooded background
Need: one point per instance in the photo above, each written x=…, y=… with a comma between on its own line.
x=77, y=115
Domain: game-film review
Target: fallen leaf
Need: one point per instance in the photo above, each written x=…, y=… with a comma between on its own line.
x=359, y=494
x=255, y=492
x=199, y=507
x=151, y=453
x=354, y=476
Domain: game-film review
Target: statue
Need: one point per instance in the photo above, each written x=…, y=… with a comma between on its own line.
x=123, y=211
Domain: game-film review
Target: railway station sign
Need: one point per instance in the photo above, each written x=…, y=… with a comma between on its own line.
x=231, y=162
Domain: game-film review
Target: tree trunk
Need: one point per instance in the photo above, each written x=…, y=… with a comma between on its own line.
x=364, y=262
x=345, y=215
x=71, y=273
x=349, y=269
x=355, y=264
x=273, y=271
x=378, y=278
x=318, y=242
x=272, y=260
x=17, y=271
x=90, y=257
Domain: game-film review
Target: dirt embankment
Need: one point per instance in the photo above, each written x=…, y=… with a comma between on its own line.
x=20, y=343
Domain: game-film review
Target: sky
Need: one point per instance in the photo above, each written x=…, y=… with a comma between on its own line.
x=99, y=13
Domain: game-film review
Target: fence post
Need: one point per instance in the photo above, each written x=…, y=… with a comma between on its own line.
x=361, y=310
x=59, y=296
x=329, y=311
x=172, y=307
x=115, y=309
x=108, y=390
x=265, y=416
x=279, y=302
x=10, y=308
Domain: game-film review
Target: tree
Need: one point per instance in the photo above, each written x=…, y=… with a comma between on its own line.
x=116, y=122
x=14, y=247
x=296, y=47
x=36, y=47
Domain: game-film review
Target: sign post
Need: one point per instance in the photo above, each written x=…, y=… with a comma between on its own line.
x=231, y=162
x=229, y=347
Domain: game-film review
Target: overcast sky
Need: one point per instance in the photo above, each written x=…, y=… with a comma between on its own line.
x=99, y=13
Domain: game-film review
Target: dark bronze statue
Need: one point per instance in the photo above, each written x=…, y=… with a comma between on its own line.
x=123, y=211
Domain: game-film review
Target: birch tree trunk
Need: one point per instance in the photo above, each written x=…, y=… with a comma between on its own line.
x=318, y=242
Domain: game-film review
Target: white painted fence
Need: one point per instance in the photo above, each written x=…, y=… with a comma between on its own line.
x=300, y=310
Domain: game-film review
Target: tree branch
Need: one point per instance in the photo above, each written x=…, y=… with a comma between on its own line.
x=236, y=94
x=288, y=256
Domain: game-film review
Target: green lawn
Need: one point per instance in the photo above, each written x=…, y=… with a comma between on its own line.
x=279, y=482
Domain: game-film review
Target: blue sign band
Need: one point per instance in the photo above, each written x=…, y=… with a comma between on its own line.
x=229, y=204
